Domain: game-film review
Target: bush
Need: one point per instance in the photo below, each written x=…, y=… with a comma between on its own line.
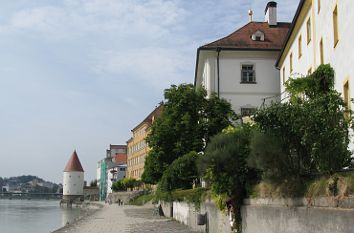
x=268, y=155
x=124, y=184
x=224, y=163
x=180, y=174
x=308, y=134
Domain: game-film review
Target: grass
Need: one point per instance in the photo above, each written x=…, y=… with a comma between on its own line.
x=337, y=185
x=141, y=200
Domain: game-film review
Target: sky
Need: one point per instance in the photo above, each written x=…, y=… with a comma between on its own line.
x=80, y=74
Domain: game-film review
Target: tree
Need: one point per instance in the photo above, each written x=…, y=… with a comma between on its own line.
x=308, y=134
x=118, y=186
x=187, y=122
x=224, y=165
x=180, y=174
x=93, y=183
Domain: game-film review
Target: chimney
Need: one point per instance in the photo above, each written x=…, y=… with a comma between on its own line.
x=271, y=14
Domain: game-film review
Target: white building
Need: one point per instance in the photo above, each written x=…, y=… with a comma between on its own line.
x=73, y=182
x=240, y=67
x=321, y=33
x=117, y=165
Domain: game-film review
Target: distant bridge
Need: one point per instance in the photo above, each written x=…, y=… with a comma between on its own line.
x=18, y=195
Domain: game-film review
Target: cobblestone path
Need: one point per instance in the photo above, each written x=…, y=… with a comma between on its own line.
x=125, y=219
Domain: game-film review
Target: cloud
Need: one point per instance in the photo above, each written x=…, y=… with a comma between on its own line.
x=75, y=17
x=157, y=67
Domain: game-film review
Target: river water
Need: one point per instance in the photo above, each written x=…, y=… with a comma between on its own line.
x=34, y=216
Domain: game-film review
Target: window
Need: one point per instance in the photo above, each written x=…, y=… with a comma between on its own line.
x=321, y=51
x=300, y=46
x=291, y=63
x=308, y=29
x=247, y=111
x=258, y=36
x=283, y=75
x=335, y=26
x=346, y=96
x=318, y=6
x=248, y=75
x=309, y=71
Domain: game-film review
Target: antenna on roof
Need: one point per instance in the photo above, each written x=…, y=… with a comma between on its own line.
x=250, y=14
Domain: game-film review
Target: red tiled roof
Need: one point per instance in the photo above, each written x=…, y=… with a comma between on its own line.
x=73, y=164
x=149, y=119
x=241, y=39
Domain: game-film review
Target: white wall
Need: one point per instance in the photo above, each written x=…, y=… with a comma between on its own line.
x=341, y=57
x=73, y=183
x=230, y=63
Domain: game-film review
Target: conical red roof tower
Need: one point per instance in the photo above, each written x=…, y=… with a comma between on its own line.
x=73, y=164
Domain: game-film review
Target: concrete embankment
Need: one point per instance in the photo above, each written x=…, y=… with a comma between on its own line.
x=319, y=215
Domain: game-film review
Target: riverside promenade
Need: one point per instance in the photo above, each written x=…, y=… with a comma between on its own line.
x=125, y=219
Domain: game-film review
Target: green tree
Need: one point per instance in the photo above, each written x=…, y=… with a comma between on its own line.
x=93, y=183
x=305, y=135
x=129, y=183
x=224, y=166
x=187, y=122
x=180, y=174
x=118, y=186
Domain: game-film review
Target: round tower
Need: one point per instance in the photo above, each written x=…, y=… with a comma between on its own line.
x=73, y=182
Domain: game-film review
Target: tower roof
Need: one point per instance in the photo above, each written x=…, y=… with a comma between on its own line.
x=73, y=164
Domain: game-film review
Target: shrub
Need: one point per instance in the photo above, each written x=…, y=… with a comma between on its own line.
x=308, y=134
x=180, y=174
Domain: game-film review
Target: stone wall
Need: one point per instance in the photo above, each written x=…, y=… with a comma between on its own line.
x=186, y=213
x=320, y=215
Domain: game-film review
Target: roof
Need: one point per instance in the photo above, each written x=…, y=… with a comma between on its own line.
x=241, y=38
x=297, y=14
x=117, y=146
x=149, y=119
x=73, y=164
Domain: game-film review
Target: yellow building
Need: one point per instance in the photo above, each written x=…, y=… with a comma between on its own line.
x=321, y=33
x=137, y=146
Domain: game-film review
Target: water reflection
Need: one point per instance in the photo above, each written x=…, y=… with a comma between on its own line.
x=34, y=216
x=69, y=214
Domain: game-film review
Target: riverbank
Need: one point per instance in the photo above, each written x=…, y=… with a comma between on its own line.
x=133, y=219
x=87, y=209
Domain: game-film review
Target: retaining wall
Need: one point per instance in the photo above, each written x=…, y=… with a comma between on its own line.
x=320, y=215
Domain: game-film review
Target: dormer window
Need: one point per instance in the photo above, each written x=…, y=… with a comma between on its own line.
x=258, y=36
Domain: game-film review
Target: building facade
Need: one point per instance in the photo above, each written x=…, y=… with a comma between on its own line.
x=321, y=33
x=240, y=67
x=137, y=146
x=111, y=169
x=117, y=165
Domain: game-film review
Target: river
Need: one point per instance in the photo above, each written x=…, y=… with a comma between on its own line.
x=34, y=216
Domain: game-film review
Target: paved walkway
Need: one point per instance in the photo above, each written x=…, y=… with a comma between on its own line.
x=125, y=219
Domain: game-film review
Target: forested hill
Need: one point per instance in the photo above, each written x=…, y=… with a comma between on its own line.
x=27, y=183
